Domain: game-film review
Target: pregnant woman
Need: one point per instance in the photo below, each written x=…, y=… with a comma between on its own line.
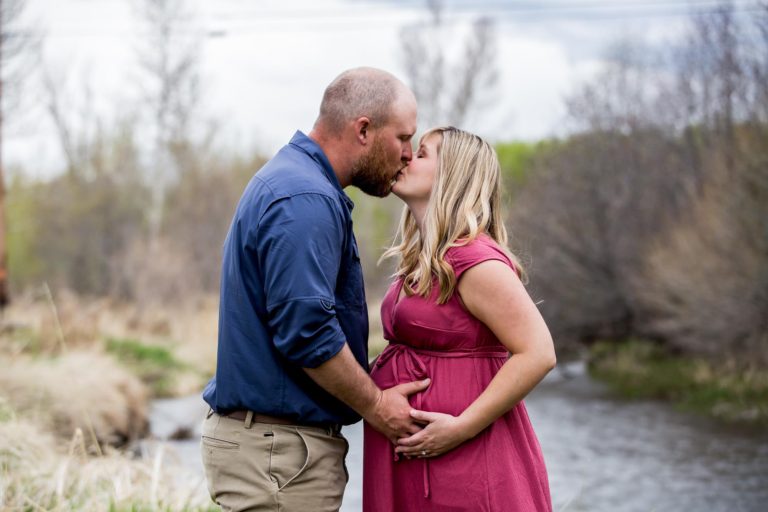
x=458, y=313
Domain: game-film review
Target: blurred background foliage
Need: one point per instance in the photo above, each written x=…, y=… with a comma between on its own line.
x=649, y=221
x=644, y=233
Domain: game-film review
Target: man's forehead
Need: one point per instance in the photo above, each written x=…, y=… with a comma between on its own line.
x=404, y=118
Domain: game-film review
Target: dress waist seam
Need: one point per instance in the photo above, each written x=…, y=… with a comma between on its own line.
x=491, y=354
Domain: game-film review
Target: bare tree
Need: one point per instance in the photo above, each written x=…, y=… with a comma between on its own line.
x=74, y=119
x=656, y=214
x=448, y=88
x=16, y=50
x=171, y=89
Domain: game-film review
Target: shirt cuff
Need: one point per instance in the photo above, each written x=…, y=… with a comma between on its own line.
x=306, y=331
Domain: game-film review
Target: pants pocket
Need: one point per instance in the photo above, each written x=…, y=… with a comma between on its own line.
x=221, y=444
x=344, y=458
x=289, y=457
x=220, y=447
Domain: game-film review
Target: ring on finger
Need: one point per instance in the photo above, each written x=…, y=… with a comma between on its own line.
x=423, y=453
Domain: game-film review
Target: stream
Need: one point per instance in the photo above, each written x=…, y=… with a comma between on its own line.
x=603, y=454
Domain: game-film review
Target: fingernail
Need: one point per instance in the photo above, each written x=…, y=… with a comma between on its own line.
x=426, y=381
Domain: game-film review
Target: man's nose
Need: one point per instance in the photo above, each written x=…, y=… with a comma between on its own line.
x=407, y=155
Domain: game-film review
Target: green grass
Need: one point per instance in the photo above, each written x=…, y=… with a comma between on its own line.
x=153, y=364
x=641, y=369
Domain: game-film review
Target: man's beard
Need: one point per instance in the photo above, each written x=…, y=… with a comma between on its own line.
x=372, y=172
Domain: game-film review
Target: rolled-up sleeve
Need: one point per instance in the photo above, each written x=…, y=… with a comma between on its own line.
x=298, y=243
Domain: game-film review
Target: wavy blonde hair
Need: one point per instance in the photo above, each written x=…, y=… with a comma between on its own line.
x=465, y=201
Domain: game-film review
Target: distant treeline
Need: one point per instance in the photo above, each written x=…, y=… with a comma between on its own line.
x=89, y=230
x=651, y=221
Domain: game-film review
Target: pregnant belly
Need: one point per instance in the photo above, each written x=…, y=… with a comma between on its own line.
x=455, y=381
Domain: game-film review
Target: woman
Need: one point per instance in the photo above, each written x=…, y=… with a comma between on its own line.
x=454, y=313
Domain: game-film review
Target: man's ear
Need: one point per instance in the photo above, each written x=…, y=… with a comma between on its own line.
x=363, y=130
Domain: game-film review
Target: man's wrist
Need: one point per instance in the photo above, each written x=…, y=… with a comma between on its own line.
x=374, y=404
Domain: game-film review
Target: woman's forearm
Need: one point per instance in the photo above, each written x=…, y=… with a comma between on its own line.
x=514, y=380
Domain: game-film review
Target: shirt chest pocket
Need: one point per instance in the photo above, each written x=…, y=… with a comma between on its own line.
x=349, y=286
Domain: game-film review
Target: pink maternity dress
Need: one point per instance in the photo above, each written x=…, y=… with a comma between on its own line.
x=502, y=468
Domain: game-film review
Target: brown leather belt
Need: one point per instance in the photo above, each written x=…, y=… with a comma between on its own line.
x=242, y=415
x=260, y=418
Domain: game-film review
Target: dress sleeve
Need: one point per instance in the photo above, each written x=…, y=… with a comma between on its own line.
x=483, y=248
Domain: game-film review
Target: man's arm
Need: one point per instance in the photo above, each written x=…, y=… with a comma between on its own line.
x=388, y=411
x=298, y=242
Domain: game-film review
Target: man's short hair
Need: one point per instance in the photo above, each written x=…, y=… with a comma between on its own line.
x=356, y=93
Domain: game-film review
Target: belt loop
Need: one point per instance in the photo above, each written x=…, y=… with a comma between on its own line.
x=248, y=419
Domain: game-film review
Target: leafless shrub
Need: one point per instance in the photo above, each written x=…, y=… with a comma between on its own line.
x=707, y=276
x=652, y=222
x=449, y=83
x=100, y=398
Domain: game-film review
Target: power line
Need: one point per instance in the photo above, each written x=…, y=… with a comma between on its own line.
x=519, y=7
x=345, y=21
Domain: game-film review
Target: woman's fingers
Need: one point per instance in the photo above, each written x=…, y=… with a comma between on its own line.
x=434, y=439
x=420, y=451
x=413, y=440
x=425, y=416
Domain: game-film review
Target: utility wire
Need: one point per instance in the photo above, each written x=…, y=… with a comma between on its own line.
x=506, y=7
x=345, y=21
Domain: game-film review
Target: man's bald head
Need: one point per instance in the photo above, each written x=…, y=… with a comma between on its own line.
x=359, y=92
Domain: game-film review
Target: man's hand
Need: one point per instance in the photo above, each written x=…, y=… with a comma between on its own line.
x=387, y=411
x=391, y=413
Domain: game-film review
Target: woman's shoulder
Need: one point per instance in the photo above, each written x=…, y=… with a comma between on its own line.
x=482, y=248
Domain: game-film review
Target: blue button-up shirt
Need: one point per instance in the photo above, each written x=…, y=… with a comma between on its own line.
x=291, y=291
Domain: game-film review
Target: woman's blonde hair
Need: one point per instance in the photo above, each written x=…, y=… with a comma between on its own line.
x=465, y=201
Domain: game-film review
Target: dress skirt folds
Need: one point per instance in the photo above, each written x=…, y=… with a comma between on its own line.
x=502, y=468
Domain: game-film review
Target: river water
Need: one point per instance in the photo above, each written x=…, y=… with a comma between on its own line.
x=603, y=454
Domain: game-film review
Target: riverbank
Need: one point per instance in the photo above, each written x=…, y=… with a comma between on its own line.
x=725, y=390
x=79, y=377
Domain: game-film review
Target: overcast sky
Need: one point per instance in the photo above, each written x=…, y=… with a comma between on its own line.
x=265, y=63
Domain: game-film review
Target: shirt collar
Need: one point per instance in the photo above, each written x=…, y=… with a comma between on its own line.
x=311, y=148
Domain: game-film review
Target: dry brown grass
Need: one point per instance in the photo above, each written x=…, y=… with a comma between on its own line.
x=83, y=390
x=57, y=371
x=43, y=324
x=65, y=401
x=41, y=473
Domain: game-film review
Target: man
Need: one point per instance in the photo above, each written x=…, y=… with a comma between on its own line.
x=293, y=323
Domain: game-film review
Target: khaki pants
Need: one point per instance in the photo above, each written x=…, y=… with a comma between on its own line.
x=273, y=467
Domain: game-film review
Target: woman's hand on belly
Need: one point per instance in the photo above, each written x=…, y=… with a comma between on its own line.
x=442, y=433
